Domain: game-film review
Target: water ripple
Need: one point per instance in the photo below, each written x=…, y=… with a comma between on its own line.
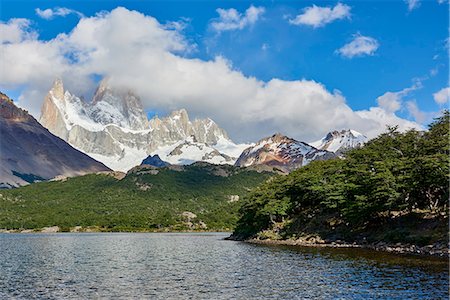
x=204, y=266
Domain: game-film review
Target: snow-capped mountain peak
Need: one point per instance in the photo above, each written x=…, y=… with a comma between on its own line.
x=340, y=141
x=118, y=106
x=281, y=152
x=114, y=129
x=191, y=151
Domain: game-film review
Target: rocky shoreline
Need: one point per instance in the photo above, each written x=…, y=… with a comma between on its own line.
x=438, y=250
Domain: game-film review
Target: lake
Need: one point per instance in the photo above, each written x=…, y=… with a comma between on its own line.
x=204, y=266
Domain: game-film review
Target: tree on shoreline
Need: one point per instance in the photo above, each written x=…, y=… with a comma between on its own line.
x=393, y=172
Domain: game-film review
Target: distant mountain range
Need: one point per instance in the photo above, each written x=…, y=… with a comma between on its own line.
x=114, y=129
x=281, y=152
x=29, y=152
x=340, y=141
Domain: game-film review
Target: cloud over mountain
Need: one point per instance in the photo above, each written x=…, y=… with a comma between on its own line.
x=138, y=52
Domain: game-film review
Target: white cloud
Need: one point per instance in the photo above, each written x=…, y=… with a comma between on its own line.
x=317, y=16
x=15, y=31
x=412, y=4
x=231, y=19
x=392, y=101
x=359, y=46
x=389, y=101
x=384, y=119
x=50, y=13
x=416, y=113
x=442, y=96
x=154, y=67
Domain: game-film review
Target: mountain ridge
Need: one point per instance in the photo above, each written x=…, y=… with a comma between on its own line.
x=340, y=141
x=281, y=152
x=103, y=130
x=29, y=152
x=114, y=129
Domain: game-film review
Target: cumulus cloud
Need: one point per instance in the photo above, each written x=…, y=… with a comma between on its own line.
x=136, y=51
x=392, y=101
x=51, y=13
x=412, y=4
x=389, y=101
x=416, y=113
x=15, y=31
x=359, y=46
x=231, y=19
x=384, y=119
x=442, y=96
x=317, y=16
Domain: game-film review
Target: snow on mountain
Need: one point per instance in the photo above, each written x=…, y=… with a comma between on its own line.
x=127, y=159
x=177, y=126
x=113, y=128
x=281, y=152
x=118, y=106
x=339, y=141
x=190, y=151
x=231, y=149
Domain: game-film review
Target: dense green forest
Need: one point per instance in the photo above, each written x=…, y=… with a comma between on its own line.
x=146, y=199
x=395, y=188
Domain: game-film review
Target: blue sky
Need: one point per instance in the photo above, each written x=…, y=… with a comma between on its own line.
x=411, y=43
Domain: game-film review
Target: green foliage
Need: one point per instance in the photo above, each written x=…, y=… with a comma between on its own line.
x=393, y=172
x=140, y=201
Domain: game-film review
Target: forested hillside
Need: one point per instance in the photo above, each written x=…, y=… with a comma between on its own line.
x=393, y=189
x=196, y=197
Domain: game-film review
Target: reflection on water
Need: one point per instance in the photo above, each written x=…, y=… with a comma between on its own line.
x=204, y=266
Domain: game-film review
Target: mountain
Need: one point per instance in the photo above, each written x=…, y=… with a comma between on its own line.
x=190, y=150
x=146, y=199
x=340, y=141
x=281, y=152
x=29, y=152
x=113, y=128
x=177, y=127
x=118, y=106
x=155, y=161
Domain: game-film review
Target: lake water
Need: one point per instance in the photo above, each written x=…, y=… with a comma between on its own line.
x=204, y=266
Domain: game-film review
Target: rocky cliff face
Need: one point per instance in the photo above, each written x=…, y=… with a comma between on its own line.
x=340, y=141
x=155, y=161
x=113, y=128
x=177, y=127
x=29, y=152
x=281, y=152
x=118, y=106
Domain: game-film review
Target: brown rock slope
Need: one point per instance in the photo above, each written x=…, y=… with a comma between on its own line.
x=282, y=153
x=29, y=152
